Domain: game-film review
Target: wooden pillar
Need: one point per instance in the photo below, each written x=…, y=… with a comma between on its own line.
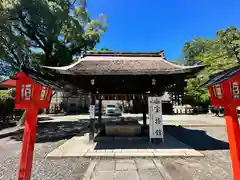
x=100, y=112
x=144, y=108
x=233, y=131
x=144, y=118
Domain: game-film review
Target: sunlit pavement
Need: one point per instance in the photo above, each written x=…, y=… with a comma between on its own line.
x=195, y=120
x=127, y=169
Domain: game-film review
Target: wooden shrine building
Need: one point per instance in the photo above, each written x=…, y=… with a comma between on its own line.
x=113, y=73
x=124, y=76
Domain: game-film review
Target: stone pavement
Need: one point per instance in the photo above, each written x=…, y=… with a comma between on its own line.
x=79, y=146
x=127, y=169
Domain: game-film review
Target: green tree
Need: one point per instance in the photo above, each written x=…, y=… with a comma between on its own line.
x=46, y=32
x=216, y=55
x=105, y=50
x=99, y=51
x=193, y=51
x=226, y=38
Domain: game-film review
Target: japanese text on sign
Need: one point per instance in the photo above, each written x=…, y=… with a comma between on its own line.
x=158, y=120
x=92, y=111
x=155, y=117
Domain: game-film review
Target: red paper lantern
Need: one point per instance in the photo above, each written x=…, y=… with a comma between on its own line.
x=30, y=93
x=24, y=91
x=44, y=96
x=217, y=95
x=226, y=92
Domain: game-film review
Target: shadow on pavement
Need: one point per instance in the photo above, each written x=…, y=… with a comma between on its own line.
x=45, y=118
x=175, y=137
x=53, y=131
x=7, y=125
x=197, y=139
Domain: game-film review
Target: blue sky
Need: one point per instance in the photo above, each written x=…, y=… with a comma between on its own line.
x=152, y=25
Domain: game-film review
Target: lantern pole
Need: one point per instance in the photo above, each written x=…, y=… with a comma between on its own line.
x=28, y=144
x=232, y=126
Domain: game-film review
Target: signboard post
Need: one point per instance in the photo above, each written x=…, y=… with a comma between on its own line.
x=155, y=119
x=92, y=111
x=92, y=122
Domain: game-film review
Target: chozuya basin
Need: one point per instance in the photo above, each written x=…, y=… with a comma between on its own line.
x=123, y=128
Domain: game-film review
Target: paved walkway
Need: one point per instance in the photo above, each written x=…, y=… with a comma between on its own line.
x=79, y=146
x=127, y=169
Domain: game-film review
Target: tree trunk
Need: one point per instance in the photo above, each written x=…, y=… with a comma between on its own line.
x=22, y=119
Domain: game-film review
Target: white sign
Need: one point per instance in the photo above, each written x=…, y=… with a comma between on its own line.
x=155, y=117
x=92, y=111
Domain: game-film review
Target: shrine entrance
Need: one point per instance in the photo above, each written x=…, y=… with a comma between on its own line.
x=126, y=76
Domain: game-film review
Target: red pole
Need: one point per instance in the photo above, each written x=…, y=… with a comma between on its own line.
x=232, y=125
x=28, y=144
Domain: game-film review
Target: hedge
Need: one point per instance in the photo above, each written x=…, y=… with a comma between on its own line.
x=7, y=106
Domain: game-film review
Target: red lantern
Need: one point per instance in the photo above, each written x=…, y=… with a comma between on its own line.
x=44, y=96
x=24, y=91
x=217, y=95
x=227, y=95
x=30, y=96
x=29, y=93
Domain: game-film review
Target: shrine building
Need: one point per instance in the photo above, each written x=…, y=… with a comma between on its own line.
x=126, y=76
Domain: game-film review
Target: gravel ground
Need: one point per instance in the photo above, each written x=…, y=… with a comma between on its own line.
x=49, y=136
x=44, y=169
x=216, y=165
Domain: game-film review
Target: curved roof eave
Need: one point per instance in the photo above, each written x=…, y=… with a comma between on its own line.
x=64, y=68
x=176, y=69
x=180, y=71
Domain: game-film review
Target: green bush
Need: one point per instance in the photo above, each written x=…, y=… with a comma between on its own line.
x=6, y=105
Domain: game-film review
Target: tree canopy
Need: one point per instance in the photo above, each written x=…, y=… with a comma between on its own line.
x=46, y=32
x=216, y=54
x=100, y=50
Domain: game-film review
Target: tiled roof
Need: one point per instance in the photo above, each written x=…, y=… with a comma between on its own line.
x=222, y=76
x=124, y=63
x=10, y=83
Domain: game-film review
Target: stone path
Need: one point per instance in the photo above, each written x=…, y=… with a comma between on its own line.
x=127, y=169
x=79, y=146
